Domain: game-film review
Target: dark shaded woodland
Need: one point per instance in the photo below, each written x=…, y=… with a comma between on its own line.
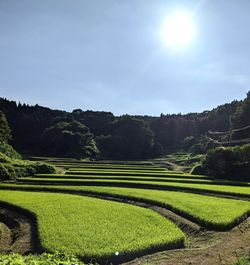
x=37, y=130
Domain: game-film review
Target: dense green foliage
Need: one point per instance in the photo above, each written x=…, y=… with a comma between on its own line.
x=43, y=259
x=12, y=166
x=14, y=169
x=41, y=130
x=9, y=151
x=241, y=118
x=228, y=163
x=5, y=132
x=245, y=260
x=71, y=139
x=95, y=228
x=128, y=138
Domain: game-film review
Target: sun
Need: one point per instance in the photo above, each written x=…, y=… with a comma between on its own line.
x=178, y=30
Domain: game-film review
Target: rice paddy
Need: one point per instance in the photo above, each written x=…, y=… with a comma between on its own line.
x=143, y=183
x=93, y=227
x=66, y=211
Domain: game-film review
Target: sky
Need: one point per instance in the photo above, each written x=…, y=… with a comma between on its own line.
x=109, y=55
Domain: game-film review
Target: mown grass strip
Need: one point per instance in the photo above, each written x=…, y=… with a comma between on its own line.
x=95, y=228
x=210, y=212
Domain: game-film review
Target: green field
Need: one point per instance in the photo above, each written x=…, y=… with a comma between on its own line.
x=222, y=189
x=97, y=228
x=211, y=212
x=92, y=227
x=120, y=172
x=131, y=173
x=170, y=178
x=111, y=166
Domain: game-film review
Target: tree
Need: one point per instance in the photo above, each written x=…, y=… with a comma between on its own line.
x=69, y=139
x=129, y=138
x=241, y=118
x=5, y=132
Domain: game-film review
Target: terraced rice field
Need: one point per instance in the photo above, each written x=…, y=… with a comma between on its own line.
x=210, y=212
x=67, y=212
x=175, y=184
x=71, y=218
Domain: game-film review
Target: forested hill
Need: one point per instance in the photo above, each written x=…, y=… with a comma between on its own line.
x=41, y=131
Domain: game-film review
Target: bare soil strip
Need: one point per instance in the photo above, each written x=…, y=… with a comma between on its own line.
x=16, y=232
x=5, y=237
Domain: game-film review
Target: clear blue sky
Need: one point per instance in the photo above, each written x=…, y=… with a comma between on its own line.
x=108, y=55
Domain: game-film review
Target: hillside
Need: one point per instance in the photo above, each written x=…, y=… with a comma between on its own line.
x=43, y=131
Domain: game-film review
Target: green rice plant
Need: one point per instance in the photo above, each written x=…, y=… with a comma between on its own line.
x=43, y=259
x=95, y=228
x=210, y=212
x=205, y=187
x=132, y=173
x=124, y=170
x=109, y=166
x=143, y=178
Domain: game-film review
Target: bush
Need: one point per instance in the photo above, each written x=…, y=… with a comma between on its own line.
x=12, y=166
x=9, y=151
x=219, y=162
x=48, y=259
x=43, y=168
x=243, y=261
x=4, y=158
x=7, y=171
x=243, y=152
x=11, y=169
x=228, y=163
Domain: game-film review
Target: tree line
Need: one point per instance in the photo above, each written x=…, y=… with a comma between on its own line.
x=37, y=130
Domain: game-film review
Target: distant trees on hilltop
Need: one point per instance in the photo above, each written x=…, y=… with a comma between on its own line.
x=5, y=132
x=40, y=130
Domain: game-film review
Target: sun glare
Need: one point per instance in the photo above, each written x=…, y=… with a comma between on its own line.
x=178, y=30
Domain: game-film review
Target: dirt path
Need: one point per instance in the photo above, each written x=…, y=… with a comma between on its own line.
x=5, y=237
x=15, y=232
x=224, y=249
